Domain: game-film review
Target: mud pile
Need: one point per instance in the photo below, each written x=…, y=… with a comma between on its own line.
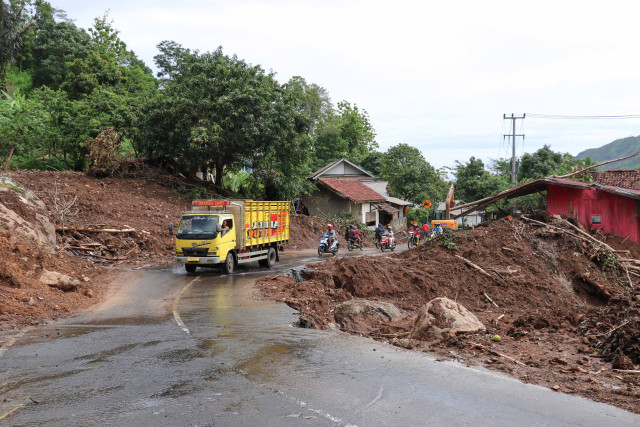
x=566, y=316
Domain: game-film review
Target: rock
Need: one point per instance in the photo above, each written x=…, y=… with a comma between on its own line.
x=24, y=214
x=363, y=314
x=442, y=317
x=31, y=301
x=58, y=280
x=622, y=361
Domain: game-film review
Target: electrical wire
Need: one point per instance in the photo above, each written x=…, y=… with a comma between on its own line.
x=564, y=117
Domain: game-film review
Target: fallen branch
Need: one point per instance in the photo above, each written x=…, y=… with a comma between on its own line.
x=95, y=230
x=595, y=166
x=627, y=371
x=491, y=301
x=506, y=357
x=495, y=353
x=474, y=266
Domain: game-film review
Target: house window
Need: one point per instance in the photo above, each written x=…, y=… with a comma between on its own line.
x=596, y=219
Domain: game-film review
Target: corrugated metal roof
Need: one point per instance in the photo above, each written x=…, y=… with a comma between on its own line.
x=352, y=189
x=397, y=201
x=385, y=207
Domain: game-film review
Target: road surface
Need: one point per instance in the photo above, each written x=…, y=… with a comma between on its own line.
x=197, y=350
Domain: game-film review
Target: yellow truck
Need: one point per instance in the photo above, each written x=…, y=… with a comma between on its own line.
x=231, y=232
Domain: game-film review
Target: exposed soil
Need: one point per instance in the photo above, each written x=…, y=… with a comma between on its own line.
x=566, y=314
x=145, y=204
x=565, y=317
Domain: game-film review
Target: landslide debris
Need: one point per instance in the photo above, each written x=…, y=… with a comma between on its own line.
x=563, y=305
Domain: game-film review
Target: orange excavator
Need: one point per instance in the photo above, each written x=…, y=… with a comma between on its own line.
x=448, y=222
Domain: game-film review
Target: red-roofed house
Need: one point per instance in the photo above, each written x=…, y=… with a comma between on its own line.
x=618, y=178
x=343, y=187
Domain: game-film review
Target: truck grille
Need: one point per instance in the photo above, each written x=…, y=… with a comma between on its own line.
x=195, y=251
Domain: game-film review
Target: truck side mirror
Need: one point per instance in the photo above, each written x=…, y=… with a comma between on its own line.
x=218, y=228
x=171, y=228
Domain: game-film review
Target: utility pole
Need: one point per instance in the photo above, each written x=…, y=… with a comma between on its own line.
x=513, y=134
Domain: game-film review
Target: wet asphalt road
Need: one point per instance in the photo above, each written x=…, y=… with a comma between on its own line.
x=197, y=350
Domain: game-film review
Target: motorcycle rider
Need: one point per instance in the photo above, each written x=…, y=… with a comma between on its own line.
x=379, y=232
x=416, y=232
x=356, y=235
x=437, y=229
x=331, y=233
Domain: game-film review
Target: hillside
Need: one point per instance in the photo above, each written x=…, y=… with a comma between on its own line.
x=614, y=150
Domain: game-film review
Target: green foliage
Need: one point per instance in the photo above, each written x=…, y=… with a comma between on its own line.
x=544, y=163
x=347, y=133
x=373, y=163
x=224, y=113
x=15, y=23
x=56, y=45
x=448, y=239
x=419, y=215
x=474, y=182
x=411, y=177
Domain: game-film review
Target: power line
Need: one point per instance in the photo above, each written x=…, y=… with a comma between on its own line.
x=564, y=117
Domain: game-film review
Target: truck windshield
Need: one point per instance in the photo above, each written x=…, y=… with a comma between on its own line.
x=198, y=227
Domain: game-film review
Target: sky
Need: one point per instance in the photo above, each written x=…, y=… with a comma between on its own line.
x=438, y=76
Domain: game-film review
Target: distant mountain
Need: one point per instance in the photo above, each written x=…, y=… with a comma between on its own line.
x=614, y=150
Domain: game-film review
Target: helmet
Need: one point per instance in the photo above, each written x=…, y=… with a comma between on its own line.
x=389, y=227
x=330, y=226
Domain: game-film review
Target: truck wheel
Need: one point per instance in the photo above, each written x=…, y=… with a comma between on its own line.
x=229, y=264
x=191, y=268
x=271, y=258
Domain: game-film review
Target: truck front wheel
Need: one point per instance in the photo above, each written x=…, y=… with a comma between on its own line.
x=229, y=264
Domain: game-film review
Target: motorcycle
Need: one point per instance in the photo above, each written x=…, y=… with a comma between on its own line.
x=387, y=242
x=353, y=244
x=413, y=239
x=323, y=247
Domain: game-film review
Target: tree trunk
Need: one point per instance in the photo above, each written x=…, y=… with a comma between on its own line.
x=219, y=172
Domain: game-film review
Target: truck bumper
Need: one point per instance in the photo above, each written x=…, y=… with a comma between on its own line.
x=198, y=260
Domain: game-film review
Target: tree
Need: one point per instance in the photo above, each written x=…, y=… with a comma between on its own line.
x=545, y=162
x=55, y=46
x=215, y=110
x=15, y=22
x=357, y=131
x=373, y=163
x=474, y=182
x=411, y=177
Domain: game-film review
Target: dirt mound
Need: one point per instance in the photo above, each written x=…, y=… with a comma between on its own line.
x=144, y=205
x=24, y=299
x=561, y=308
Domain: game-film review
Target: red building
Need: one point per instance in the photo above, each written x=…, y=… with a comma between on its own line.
x=613, y=210
x=610, y=208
